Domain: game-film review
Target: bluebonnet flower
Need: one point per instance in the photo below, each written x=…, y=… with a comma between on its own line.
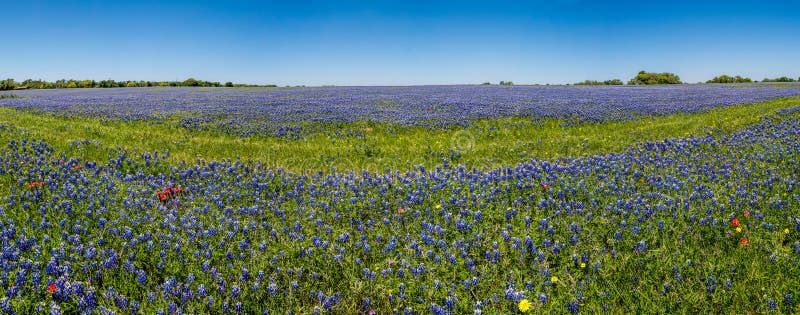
x=573, y=307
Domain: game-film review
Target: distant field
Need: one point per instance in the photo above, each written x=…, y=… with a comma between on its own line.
x=484, y=144
x=404, y=200
x=294, y=112
x=93, y=124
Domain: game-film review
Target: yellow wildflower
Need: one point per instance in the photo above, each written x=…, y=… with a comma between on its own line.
x=524, y=305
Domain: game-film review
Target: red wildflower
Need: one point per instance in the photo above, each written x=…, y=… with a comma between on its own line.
x=52, y=288
x=77, y=167
x=401, y=210
x=35, y=183
x=735, y=222
x=745, y=241
x=747, y=213
x=544, y=187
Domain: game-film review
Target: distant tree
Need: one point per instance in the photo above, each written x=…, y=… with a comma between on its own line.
x=646, y=78
x=509, y=83
x=191, y=82
x=37, y=84
x=7, y=84
x=606, y=82
x=486, y=83
x=781, y=79
x=63, y=83
x=228, y=84
x=729, y=79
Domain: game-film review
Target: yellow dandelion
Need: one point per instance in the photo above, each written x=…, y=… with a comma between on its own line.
x=583, y=265
x=524, y=305
x=438, y=207
x=785, y=231
x=738, y=230
x=554, y=279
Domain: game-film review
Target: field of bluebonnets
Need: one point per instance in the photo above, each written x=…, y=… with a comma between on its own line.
x=667, y=199
x=287, y=112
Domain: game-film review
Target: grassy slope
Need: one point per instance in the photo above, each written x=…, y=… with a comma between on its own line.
x=487, y=143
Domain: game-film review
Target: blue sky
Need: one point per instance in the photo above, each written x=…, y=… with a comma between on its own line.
x=398, y=42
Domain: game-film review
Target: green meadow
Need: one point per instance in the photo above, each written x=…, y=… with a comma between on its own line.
x=486, y=143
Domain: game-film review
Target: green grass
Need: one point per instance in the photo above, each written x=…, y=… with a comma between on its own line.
x=487, y=143
x=631, y=282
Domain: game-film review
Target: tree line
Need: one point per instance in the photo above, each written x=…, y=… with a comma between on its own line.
x=10, y=84
x=781, y=79
x=641, y=78
x=606, y=82
x=648, y=78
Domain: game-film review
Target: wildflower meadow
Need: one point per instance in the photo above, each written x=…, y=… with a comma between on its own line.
x=407, y=200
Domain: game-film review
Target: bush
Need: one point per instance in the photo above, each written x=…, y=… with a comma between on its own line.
x=781, y=79
x=7, y=84
x=647, y=78
x=606, y=82
x=729, y=79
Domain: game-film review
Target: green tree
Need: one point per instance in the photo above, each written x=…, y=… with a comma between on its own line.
x=781, y=79
x=729, y=79
x=191, y=82
x=606, y=82
x=647, y=78
x=7, y=84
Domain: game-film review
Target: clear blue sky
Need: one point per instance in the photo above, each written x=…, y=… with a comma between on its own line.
x=397, y=43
